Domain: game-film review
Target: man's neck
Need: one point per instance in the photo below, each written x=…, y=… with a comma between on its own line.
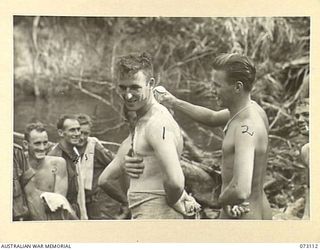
x=66, y=145
x=81, y=149
x=141, y=112
x=239, y=104
x=35, y=163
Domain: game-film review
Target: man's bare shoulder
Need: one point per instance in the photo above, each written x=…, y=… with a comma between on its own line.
x=56, y=161
x=253, y=120
x=161, y=117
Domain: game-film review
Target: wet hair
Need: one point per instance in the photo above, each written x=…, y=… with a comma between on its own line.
x=84, y=119
x=237, y=68
x=129, y=65
x=62, y=118
x=302, y=104
x=38, y=126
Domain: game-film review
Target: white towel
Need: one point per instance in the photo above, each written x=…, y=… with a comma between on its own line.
x=55, y=201
x=87, y=163
x=81, y=198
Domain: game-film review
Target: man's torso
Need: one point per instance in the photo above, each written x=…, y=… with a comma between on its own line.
x=152, y=179
x=48, y=175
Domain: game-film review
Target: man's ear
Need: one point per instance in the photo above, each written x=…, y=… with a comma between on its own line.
x=25, y=144
x=152, y=82
x=238, y=86
x=60, y=132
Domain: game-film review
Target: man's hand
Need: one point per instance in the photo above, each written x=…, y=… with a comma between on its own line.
x=236, y=211
x=133, y=166
x=187, y=205
x=125, y=212
x=164, y=97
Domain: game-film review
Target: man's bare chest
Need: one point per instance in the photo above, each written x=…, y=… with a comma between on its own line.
x=140, y=142
x=45, y=177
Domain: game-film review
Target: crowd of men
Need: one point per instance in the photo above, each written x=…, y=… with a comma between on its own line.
x=79, y=179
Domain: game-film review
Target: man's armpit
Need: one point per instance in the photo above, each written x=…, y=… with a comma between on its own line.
x=27, y=176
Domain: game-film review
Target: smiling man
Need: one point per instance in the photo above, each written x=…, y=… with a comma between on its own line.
x=50, y=171
x=69, y=132
x=155, y=138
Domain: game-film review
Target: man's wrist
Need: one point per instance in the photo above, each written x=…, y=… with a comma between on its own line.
x=173, y=200
x=176, y=103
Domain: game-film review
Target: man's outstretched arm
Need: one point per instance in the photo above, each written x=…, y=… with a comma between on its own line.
x=200, y=114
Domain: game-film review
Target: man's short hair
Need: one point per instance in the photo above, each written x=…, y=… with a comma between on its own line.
x=237, y=68
x=302, y=104
x=38, y=126
x=84, y=119
x=129, y=65
x=62, y=118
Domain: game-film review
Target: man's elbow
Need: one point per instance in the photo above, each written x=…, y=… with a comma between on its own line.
x=102, y=181
x=175, y=185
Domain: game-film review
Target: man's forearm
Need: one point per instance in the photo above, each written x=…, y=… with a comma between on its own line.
x=200, y=114
x=197, y=113
x=35, y=204
x=173, y=193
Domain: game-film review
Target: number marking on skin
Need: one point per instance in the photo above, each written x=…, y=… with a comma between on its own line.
x=246, y=130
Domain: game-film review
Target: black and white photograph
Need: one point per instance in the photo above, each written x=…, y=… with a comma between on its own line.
x=157, y=118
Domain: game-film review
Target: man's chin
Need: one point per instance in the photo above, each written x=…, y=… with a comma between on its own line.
x=81, y=144
x=304, y=130
x=131, y=107
x=74, y=142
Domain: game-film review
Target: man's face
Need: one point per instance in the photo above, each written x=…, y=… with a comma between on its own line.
x=37, y=144
x=302, y=117
x=70, y=132
x=224, y=90
x=85, y=131
x=135, y=91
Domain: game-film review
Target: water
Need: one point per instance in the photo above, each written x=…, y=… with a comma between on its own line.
x=47, y=110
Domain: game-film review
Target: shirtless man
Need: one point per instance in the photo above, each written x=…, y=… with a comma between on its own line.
x=50, y=171
x=155, y=138
x=302, y=116
x=26, y=203
x=245, y=143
